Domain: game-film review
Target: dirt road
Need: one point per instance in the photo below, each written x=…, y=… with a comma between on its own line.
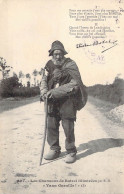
x=99, y=168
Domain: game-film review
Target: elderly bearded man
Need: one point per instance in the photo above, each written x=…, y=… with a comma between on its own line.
x=66, y=94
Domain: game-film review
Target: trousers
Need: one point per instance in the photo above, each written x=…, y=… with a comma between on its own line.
x=53, y=133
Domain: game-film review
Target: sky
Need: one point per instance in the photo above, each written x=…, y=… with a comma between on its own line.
x=28, y=28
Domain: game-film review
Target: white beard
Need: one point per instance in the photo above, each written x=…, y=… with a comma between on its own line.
x=58, y=63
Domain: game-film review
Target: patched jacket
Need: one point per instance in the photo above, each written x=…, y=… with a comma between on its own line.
x=72, y=88
x=67, y=86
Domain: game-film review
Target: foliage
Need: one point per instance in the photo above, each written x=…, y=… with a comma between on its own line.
x=28, y=84
x=113, y=92
x=28, y=75
x=21, y=74
x=26, y=92
x=10, y=87
x=7, y=86
x=35, y=73
x=4, y=68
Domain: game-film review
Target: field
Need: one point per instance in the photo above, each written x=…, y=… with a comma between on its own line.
x=11, y=103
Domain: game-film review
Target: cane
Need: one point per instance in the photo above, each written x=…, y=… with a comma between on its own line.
x=45, y=130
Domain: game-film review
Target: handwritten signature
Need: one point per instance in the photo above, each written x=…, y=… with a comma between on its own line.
x=96, y=43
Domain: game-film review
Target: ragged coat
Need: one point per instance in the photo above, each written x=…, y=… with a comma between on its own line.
x=71, y=95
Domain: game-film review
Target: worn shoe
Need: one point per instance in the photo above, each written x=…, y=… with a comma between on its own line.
x=52, y=154
x=70, y=158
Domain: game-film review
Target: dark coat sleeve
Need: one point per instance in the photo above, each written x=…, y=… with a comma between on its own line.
x=64, y=90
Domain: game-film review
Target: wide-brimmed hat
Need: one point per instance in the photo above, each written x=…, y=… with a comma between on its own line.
x=57, y=45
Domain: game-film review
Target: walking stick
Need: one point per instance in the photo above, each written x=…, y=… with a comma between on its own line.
x=45, y=130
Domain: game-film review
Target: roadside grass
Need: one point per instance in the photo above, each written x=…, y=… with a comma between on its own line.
x=105, y=107
x=11, y=103
x=102, y=105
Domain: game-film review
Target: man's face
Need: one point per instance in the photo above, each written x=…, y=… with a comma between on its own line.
x=58, y=55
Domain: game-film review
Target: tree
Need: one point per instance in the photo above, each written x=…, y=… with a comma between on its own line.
x=8, y=85
x=118, y=76
x=14, y=74
x=35, y=73
x=5, y=69
x=21, y=76
x=28, y=77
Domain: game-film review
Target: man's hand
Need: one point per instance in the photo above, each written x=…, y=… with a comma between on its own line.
x=43, y=98
x=49, y=95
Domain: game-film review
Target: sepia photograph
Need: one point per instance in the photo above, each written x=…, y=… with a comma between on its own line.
x=61, y=97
